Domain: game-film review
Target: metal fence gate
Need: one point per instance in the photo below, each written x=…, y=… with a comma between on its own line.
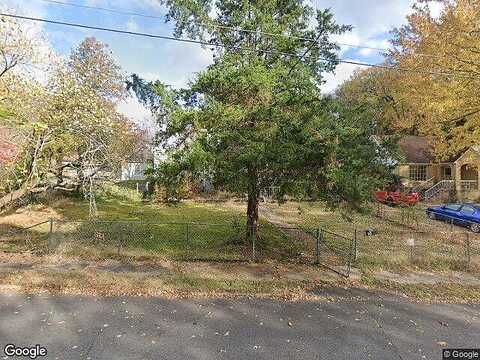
x=335, y=252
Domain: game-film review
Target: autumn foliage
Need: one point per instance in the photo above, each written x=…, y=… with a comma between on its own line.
x=434, y=87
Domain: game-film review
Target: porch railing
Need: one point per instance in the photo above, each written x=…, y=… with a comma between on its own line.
x=467, y=185
x=423, y=185
x=437, y=188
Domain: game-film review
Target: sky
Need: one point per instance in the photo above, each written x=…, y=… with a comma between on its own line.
x=176, y=63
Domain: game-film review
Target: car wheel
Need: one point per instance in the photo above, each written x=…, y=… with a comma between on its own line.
x=475, y=228
x=432, y=216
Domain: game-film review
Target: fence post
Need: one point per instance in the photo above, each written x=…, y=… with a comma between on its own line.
x=120, y=238
x=355, y=248
x=253, y=239
x=451, y=224
x=50, y=236
x=468, y=250
x=412, y=251
x=318, y=237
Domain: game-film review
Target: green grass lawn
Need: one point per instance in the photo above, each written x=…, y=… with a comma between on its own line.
x=127, y=227
x=436, y=247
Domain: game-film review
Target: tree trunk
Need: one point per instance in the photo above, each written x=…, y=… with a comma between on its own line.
x=59, y=175
x=252, y=212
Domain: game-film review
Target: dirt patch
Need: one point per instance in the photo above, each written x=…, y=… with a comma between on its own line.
x=15, y=266
x=13, y=258
x=260, y=271
x=132, y=268
x=95, y=283
x=208, y=270
x=30, y=215
x=57, y=274
x=428, y=278
x=442, y=292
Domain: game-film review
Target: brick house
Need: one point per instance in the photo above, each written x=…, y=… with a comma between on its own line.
x=421, y=170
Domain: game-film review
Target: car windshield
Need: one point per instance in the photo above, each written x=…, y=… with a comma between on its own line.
x=467, y=209
x=454, y=207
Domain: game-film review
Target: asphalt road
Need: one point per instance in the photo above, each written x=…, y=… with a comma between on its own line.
x=362, y=326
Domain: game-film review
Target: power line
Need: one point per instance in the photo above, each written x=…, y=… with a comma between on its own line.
x=301, y=57
x=135, y=33
x=205, y=43
x=237, y=29
x=115, y=11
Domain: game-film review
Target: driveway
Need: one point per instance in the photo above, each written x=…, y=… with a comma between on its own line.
x=350, y=324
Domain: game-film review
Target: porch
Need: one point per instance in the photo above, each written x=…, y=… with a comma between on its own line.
x=467, y=169
x=433, y=179
x=422, y=170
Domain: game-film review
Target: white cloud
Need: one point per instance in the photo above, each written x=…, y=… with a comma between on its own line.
x=371, y=47
x=43, y=56
x=177, y=63
x=346, y=38
x=127, y=4
x=342, y=73
x=436, y=9
x=372, y=20
x=26, y=7
x=132, y=25
x=182, y=62
x=150, y=76
x=137, y=113
x=369, y=17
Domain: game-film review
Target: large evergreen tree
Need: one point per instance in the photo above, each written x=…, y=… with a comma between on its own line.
x=256, y=116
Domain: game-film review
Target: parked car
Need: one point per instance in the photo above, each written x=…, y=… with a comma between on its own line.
x=467, y=215
x=393, y=198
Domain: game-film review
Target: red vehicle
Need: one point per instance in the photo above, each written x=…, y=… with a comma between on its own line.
x=393, y=198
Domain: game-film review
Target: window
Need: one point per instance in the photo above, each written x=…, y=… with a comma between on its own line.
x=447, y=173
x=468, y=210
x=453, y=207
x=418, y=172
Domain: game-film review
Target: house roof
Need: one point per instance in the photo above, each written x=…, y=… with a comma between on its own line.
x=417, y=149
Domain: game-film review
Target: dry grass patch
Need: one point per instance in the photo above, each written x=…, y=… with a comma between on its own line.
x=170, y=285
x=432, y=293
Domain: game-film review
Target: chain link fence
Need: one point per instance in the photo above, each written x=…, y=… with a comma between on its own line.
x=429, y=250
x=410, y=237
x=445, y=247
x=186, y=241
x=103, y=239
x=335, y=252
x=33, y=239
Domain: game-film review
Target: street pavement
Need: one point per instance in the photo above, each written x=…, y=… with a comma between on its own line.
x=353, y=324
